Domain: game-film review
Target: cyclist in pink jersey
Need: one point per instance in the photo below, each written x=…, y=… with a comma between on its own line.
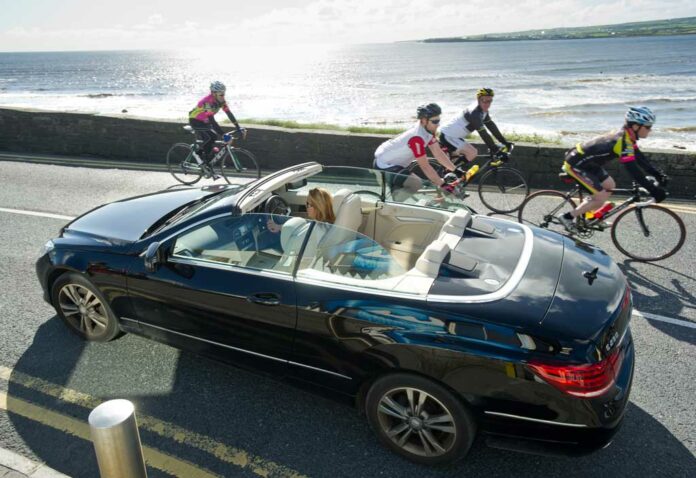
x=202, y=118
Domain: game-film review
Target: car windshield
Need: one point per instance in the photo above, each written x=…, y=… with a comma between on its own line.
x=389, y=187
x=219, y=193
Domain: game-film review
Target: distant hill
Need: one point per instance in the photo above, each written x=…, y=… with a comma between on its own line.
x=674, y=26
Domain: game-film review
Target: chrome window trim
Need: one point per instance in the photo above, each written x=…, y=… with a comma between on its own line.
x=510, y=284
x=538, y=420
x=355, y=288
x=267, y=273
x=237, y=349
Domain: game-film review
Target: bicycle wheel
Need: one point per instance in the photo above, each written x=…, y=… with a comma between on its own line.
x=238, y=161
x=664, y=230
x=182, y=165
x=502, y=190
x=542, y=209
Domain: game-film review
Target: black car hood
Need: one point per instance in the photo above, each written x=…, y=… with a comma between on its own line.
x=127, y=220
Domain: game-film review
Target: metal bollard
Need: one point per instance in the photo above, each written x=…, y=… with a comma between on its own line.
x=116, y=440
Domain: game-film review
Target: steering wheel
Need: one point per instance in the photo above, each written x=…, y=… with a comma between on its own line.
x=276, y=206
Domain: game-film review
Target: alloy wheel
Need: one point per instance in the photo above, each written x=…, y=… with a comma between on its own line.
x=417, y=422
x=83, y=310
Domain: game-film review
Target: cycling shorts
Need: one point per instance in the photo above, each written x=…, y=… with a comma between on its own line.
x=451, y=144
x=590, y=177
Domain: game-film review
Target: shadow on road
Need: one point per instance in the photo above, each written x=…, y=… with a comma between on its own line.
x=672, y=302
x=271, y=420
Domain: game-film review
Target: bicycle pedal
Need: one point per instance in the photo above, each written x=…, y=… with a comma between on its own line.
x=495, y=164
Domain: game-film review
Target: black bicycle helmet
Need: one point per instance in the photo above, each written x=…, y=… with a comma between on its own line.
x=428, y=111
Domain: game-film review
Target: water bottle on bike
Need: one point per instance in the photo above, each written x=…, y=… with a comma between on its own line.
x=599, y=213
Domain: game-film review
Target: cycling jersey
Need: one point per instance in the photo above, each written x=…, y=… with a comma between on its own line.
x=207, y=108
x=403, y=149
x=471, y=119
x=602, y=149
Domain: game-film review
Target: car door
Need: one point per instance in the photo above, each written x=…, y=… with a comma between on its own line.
x=351, y=298
x=224, y=289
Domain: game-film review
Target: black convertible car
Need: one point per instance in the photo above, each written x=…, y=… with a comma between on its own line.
x=436, y=322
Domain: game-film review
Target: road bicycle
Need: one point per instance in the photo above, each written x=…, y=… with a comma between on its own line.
x=634, y=220
x=185, y=162
x=501, y=188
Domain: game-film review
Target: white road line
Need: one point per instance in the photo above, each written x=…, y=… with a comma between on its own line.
x=36, y=213
x=662, y=318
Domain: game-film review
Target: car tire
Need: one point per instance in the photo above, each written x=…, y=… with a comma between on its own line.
x=83, y=308
x=401, y=408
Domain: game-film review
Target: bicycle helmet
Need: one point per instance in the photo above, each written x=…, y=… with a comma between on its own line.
x=640, y=115
x=485, y=92
x=217, y=87
x=428, y=111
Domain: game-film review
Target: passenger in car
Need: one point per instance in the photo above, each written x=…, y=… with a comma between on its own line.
x=320, y=206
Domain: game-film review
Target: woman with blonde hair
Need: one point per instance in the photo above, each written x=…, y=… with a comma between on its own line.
x=320, y=205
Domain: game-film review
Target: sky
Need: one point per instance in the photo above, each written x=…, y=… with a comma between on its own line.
x=52, y=25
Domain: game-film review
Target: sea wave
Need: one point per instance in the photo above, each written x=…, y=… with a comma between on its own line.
x=683, y=129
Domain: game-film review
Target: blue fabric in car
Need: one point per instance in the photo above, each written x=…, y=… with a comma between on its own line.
x=369, y=256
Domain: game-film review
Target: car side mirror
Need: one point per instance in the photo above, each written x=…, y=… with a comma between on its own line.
x=153, y=257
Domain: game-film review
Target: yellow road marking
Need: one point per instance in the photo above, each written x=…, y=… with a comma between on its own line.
x=225, y=453
x=680, y=208
x=80, y=429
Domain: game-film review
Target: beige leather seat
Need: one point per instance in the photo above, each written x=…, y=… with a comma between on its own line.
x=346, y=206
x=431, y=259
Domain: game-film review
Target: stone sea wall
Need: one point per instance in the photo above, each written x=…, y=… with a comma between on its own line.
x=147, y=141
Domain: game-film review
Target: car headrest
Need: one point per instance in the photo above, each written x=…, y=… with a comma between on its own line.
x=347, y=208
x=430, y=260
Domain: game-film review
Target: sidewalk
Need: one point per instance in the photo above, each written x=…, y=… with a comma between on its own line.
x=13, y=465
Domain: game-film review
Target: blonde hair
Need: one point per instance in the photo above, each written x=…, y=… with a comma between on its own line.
x=322, y=202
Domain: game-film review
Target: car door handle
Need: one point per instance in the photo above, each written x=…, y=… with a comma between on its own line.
x=264, y=299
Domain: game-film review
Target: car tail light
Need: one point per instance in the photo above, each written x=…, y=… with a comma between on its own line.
x=586, y=380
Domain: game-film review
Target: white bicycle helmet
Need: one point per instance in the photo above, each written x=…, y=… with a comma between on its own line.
x=217, y=87
x=640, y=115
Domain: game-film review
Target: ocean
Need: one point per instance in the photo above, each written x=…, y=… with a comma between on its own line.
x=567, y=90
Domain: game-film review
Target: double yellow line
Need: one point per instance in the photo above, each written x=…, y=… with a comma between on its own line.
x=683, y=208
x=153, y=457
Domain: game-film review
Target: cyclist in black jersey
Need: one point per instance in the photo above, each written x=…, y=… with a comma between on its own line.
x=452, y=135
x=585, y=163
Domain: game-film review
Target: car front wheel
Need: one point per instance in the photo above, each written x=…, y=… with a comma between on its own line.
x=83, y=308
x=419, y=419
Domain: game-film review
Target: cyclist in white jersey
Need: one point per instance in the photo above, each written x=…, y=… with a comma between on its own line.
x=397, y=153
x=475, y=118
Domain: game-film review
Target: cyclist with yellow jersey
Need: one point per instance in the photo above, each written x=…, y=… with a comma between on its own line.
x=585, y=163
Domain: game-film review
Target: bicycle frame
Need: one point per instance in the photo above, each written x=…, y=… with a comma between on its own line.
x=596, y=224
